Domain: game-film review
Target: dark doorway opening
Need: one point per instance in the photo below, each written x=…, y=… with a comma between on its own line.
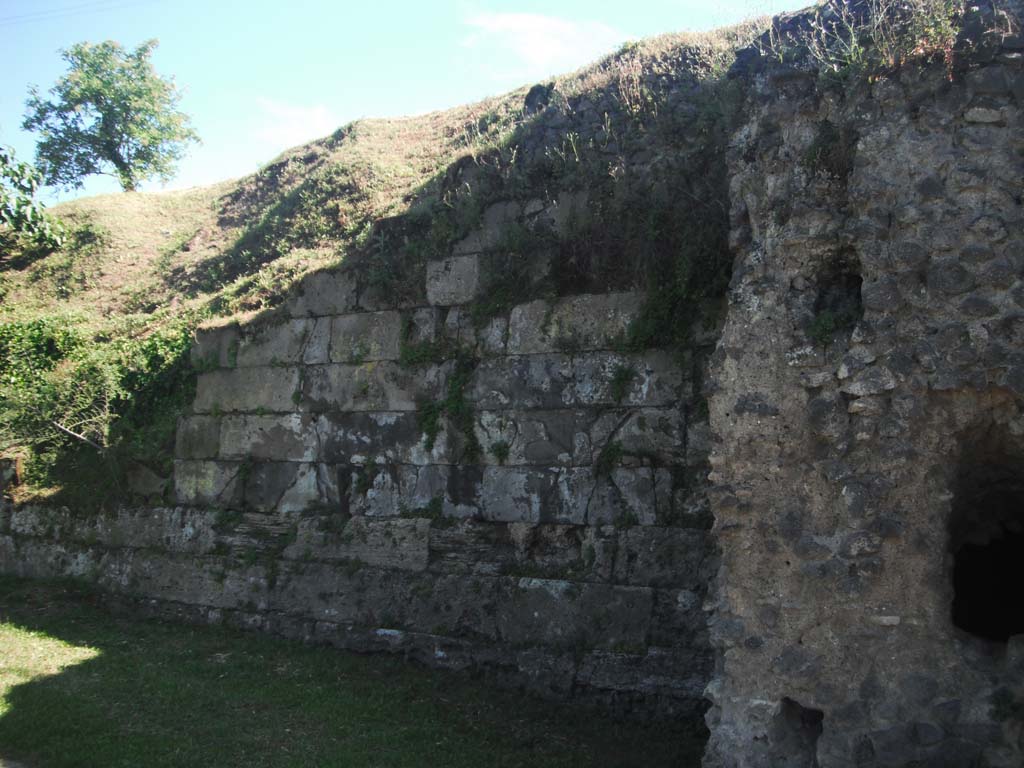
x=987, y=539
x=795, y=734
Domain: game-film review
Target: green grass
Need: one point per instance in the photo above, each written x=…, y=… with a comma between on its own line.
x=80, y=687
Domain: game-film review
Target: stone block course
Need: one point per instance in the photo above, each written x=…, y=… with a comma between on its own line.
x=387, y=543
x=278, y=344
x=198, y=437
x=270, y=389
x=366, y=337
x=578, y=322
x=453, y=281
x=374, y=386
x=290, y=437
x=564, y=614
x=322, y=294
x=207, y=483
x=216, y=346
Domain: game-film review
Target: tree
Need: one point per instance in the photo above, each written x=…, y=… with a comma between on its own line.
x=110, y=114
x=23, y=220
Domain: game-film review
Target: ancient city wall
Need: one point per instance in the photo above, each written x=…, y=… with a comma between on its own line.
x=783, y=517
x=516, y=494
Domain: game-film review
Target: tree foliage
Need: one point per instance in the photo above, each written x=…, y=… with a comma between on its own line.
x=110, y=114
x=23, y=220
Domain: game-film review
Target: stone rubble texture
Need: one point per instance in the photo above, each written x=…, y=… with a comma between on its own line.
x=782, y=554
x=835, y=467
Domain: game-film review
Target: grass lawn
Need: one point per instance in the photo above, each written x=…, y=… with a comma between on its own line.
x=80, y=687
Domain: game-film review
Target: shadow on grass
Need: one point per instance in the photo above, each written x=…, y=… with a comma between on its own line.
x=156, y=694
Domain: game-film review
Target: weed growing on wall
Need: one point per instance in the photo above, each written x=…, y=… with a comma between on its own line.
x=500, y=450
x=455, y=407
x=850, y=43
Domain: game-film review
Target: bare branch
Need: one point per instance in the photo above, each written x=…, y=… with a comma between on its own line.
x=60, y=427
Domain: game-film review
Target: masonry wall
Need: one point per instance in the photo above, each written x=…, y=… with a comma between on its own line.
x=554, y=530
x=843, y=451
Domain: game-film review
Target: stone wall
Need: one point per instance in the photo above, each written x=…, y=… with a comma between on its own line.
x=554, y=529
x=411, y=471
x=867, y=415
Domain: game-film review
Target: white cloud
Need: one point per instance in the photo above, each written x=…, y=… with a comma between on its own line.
x=281, y=126
x=541, y=45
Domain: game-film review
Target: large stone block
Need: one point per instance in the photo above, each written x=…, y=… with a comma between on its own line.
x=197, y=437
x=180, y=529
x=43, y=559
x=669, y=672
x=281, y=486
x=491, y=339
x=290, y=437
x=472, y=548
x=10, y=473
x=576, y=491
x=388, y=599
x=607, y=378
x=207, y=483
x=463, y=491
x=539, y=438
x=376, y=490
x=278, y=344
x=318, y=343
x=388, y=490
x=389, y=543
x=366, y=337
x=527, y=381
x=585, y=322
x=424, y=325
x=496, y=220
x=514, y=494
x=662, y=557
x=379, y=437
x=215, y=346
x=425, y=485
x=625, y=496
x=323, y=293
x=460, y=328
x=275, y=390
x=641, y=433
x=383, y=386
x=453, y=281
x=192, y=581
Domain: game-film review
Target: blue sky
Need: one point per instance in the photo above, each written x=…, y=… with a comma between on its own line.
x=260, y=77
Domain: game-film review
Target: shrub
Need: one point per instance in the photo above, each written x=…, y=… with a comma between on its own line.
x=79, y=403
x=852, y=41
